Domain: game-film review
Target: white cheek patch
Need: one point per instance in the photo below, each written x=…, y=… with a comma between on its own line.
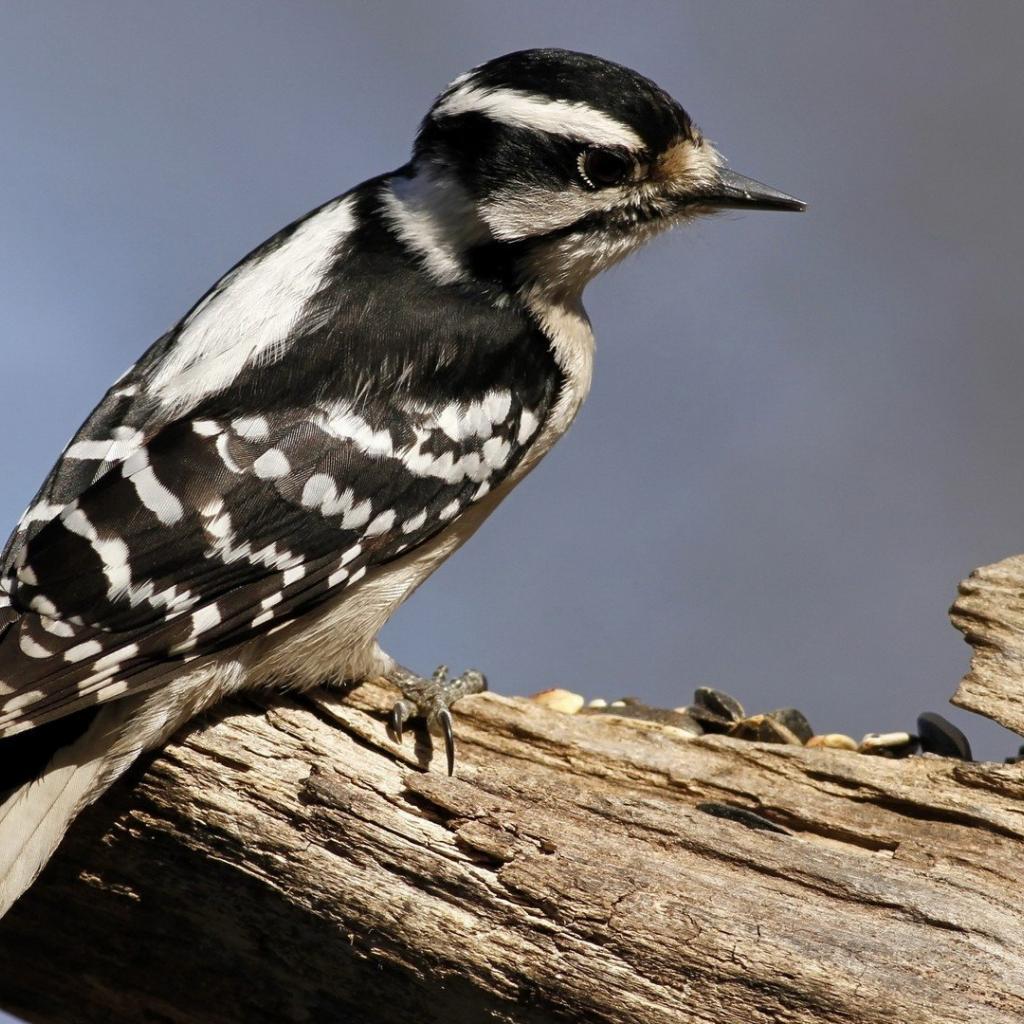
x=524, y=212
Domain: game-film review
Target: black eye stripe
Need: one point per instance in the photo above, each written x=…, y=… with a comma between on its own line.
x=602, y=168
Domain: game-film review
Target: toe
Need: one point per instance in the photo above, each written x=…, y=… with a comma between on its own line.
x=444, y=718
x=431, y=699
x=401, y=712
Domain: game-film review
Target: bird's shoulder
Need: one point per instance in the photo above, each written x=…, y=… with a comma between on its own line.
x=331, y=308
x=182, y=520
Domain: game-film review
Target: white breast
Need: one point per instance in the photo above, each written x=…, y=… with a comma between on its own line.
x=567, y=327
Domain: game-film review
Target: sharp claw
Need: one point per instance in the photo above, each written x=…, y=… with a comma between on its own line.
x=445, y=718
x=397, y=720
x=430, y=699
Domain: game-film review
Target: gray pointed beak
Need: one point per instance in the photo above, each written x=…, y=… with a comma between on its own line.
x=736, y=191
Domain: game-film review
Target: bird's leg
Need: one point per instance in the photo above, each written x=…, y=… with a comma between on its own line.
x=430, y=699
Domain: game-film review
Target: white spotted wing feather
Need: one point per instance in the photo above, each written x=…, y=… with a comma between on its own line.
x=218, y=529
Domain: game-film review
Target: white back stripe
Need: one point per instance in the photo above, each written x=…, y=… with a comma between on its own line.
x=247, y=317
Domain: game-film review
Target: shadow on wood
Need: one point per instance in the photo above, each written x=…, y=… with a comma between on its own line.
x=286, y=862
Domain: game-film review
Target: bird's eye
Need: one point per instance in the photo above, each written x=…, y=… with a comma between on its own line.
x=602, y=168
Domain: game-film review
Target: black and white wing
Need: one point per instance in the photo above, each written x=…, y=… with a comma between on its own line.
x=234, y=481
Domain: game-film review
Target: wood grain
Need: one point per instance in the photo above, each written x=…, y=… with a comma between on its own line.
x=989, y=611
x=286, y=862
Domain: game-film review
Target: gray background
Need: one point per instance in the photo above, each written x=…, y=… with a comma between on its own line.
x=804, y=430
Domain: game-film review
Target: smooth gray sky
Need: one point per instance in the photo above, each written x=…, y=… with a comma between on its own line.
x=804, y=430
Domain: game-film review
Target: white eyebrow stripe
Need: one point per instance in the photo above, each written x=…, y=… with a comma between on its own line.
x=527, y=110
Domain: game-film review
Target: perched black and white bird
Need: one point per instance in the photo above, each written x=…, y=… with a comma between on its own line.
x=251, y=501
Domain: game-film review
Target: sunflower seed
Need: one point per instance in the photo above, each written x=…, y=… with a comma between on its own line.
x=719, y=703
x=942, y=737
x=763, y=729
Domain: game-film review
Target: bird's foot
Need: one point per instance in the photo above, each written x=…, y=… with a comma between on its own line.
x=431, y=699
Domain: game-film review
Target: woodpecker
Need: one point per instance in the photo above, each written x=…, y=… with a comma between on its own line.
x=250, y=502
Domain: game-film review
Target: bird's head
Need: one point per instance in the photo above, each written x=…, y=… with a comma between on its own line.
x=557, y=164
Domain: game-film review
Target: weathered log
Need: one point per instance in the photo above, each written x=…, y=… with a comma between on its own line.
x=287, y=862
x=989, y=611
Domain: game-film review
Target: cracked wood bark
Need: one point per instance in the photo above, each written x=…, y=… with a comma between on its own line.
x=989, y=611
x=285, y=862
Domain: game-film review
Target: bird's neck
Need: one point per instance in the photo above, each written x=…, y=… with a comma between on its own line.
x=439, y=223
x=435, y=220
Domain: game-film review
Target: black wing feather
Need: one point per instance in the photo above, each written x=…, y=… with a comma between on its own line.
x=140, y=593
x=211, y=525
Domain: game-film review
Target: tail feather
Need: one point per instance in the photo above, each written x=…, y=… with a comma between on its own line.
x=34, y=818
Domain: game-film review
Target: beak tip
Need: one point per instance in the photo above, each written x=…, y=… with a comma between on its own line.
x=739, y=191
